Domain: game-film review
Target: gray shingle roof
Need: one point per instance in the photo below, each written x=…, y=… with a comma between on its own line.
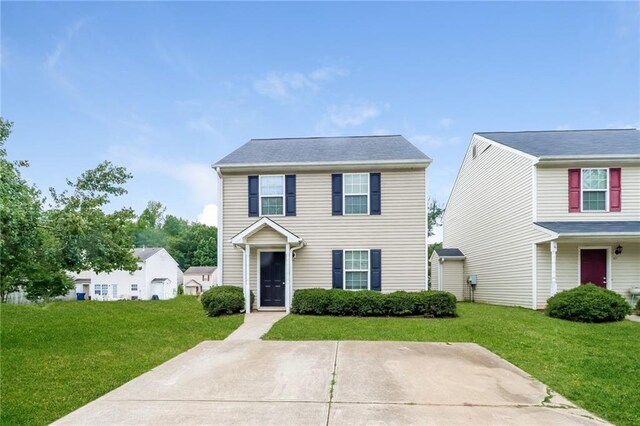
x=449, y=252
x=145, y=253
x=324, y=150
x=199, y=270
x=603, y=142
x=593, y=227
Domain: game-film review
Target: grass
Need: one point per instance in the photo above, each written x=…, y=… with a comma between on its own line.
x=594, y=365
x=59, y=357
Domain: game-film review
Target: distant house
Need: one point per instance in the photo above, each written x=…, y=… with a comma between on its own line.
x=535, y=213
x=157, y=275
x=198, y=279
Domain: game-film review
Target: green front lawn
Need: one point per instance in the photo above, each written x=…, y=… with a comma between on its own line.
x=594, y=365
x=59, y=357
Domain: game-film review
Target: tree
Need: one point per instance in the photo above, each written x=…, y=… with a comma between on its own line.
x=20, y=211
x=149, y=228
x=434, y=218
x=196, y=246
x=39, y=246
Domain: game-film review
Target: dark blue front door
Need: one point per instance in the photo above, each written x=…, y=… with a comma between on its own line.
x=272, y=278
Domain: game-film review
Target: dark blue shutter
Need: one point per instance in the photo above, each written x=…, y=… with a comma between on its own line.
x=336, y=194
x=374, y=193
x=254, y=196
x=290, y=191
x=376, y=269
x=336, y=276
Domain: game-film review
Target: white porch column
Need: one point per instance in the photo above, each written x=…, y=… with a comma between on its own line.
x=287, y=277
x=554, y=283
x=247, y=286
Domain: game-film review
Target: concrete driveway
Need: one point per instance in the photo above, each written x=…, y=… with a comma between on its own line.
x=332, y=383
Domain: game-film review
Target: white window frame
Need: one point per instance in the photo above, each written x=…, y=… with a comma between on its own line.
x=344, y=195
x=284, y=193
x=344, y=269
x=205, y=277
x=606, y=190
x=114, y=291
x=102, y=288
x=136, y=287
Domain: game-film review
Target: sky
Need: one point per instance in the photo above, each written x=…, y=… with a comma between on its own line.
x=166, y=88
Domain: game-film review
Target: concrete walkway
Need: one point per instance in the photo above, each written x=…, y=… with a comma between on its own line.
x=635, y=318
x=256, y=325
x=249, y=382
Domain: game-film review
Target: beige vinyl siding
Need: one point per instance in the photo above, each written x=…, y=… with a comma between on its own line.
x=435, y=271
x=624, y=273
x=452, y=281
x=267, y=235
x=553, y=196
x=399, y=231
x=489, y=218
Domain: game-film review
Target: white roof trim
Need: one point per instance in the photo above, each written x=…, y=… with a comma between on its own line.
x=506, y=147
x=242, y=237
x=323, y=163
x=192, y=281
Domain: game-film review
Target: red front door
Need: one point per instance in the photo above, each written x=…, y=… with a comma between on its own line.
x=593, y=267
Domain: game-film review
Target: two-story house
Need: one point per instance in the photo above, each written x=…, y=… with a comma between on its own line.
x=335, y=212
x=534, y=213
x=157, y=276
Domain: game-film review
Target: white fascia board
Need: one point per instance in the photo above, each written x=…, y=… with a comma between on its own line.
x=241, y=238
x=453, y=257
x=547, y=231
x=506, y=147
x=319, y=164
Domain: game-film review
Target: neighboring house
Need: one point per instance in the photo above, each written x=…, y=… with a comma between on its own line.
x=534, y=213
x=341, y=212
x=157, y=275
x=198, y=279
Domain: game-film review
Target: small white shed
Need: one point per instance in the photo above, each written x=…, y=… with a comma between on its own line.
x=447, y=272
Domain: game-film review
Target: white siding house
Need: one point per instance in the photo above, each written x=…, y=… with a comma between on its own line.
x=539, y=212
x=157, y=275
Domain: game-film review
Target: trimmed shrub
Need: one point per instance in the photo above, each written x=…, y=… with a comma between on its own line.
x=221, y=300
x=363, y=303
x=435, y=303
x=638, y=307
x=399, y=303
x=588, y=303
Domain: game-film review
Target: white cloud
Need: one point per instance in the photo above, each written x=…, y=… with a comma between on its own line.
x=432, y=141
x=203, y=124
x=352, y=114
x=283, y=86
x=437, y=236
x=199, y=178
x=445, y=122
x=209, y=215
x=54, y=57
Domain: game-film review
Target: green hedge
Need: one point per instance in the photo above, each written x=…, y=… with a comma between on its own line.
x=366, y=303
x=588, y=303
x=225, y=299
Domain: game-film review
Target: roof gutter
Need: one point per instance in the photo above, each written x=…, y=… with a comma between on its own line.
x=412, y=162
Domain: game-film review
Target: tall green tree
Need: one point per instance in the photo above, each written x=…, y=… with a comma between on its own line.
x=20, y=213
x=435, y=211
x=149, y=227
x=39, y=246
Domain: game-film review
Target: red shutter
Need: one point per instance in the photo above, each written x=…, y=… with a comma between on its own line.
x=574, y=190
x=615, y=189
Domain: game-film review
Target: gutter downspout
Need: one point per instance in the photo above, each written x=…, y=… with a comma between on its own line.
x=220, y=247
x=290, y=300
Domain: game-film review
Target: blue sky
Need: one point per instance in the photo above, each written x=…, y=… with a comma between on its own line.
x=166, y=89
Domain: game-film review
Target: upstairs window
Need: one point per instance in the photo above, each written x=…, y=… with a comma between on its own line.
x=356, y=269
x=356, y=193
x=595, y=189
x=205, y=278
x=134, y=287
x=271, y=195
